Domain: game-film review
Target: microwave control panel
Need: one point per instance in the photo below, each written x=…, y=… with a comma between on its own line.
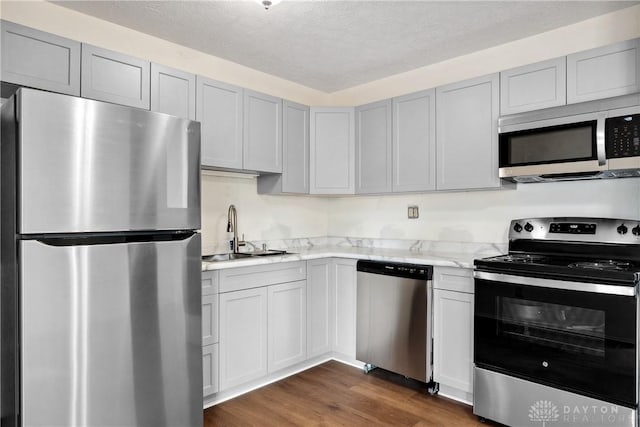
x=623, y=136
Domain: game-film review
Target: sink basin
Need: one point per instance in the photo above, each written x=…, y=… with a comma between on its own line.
x=269, y=252
x=243, y=255
x=224, y=257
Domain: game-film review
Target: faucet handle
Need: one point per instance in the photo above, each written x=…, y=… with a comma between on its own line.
x=242, y=242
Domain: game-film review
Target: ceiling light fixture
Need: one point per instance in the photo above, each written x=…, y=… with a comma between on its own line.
x=268, y=3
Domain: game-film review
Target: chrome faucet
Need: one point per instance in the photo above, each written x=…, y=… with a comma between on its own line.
x=232, y=225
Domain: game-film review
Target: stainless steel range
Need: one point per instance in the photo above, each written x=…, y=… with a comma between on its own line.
x=556, y=324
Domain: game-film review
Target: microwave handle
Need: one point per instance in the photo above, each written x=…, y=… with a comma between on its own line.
x=600, y=145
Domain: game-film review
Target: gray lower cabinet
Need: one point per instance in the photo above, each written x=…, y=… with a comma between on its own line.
x=604, y=72
x=414, y=142
x=467, y=134
x=210, y=346
x=262, y=147
x=320, y=307
x=173, y=91
x=344, y=323
x=262, y=321
x=295, y=154
x=373, y=148
x=243, y=336
x=210, y=361
x=114, y=77
x=40, y=60
x=219, y=110
x=287, y=324
x=453, y=331
x=534, y=86
x=332, y=150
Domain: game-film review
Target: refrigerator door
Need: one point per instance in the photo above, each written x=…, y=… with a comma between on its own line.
x=111, y=334
x=89, y=166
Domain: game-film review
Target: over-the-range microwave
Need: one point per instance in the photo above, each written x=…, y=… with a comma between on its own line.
x=595, y=139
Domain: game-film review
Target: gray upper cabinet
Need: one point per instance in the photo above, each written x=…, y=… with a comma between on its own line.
x=373, y=148
x=332, y=150
x=295, y=154
x=40, y=60
x=114, y=77
x=534, y=86
x=219, y=110
x=173, y=92
x=604, y=72
x=414, y=142
x=467, y=134
x=262, y=132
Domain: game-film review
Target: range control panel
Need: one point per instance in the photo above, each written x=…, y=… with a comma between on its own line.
x=578, y=229
x=622, y=136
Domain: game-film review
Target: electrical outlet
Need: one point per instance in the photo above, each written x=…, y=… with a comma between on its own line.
x=412, y=212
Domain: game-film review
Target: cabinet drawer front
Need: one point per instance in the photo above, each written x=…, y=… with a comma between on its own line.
x=453, y=279
x=37, y=59
x=235, y=279
x=210, y=282
x=210, y=369
x=209, y=319
x=114, y=77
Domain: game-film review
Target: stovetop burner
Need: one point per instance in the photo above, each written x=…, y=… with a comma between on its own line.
x=608, y=264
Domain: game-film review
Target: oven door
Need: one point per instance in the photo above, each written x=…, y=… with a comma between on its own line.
x=573, y=339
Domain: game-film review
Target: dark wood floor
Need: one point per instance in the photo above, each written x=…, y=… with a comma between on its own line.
x=334, y=394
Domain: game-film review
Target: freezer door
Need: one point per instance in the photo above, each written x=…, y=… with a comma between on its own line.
x=88, y=166
x=111, y=334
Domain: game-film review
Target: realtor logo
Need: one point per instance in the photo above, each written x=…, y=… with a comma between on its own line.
x=544, y=411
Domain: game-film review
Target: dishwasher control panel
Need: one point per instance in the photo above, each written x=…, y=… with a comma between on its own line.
x=413, y=271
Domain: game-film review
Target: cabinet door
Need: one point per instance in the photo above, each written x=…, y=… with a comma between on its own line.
x=295, y=146
x=332, y=141
x=40, y=60
x=344, y=283
x=467, y=134
x=604, y=72
x=210, y=369
x=320, y=307
x=534, y=86
x=114, y=77
x=414, y=142
x=209, y=319
x=287, y=307
x=262, y=132
x=373, y=148
x=173, y=92
x=219, y=110
x=243, y=336
x=453, y=339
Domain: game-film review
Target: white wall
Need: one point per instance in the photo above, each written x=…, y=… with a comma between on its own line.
x=259, y=217
x=481, y=216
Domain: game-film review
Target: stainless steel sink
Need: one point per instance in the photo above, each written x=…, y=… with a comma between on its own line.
x=243, y=255
x=224, y=257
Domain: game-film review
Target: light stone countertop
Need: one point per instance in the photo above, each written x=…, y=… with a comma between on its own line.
x=434, y=258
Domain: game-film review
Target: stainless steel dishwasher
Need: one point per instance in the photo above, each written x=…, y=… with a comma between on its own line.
x=393, y=330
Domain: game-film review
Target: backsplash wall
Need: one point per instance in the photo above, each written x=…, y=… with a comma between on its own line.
x=259, y=217
x=479, y=216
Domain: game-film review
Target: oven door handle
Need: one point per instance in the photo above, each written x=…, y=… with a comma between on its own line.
x=597, y=288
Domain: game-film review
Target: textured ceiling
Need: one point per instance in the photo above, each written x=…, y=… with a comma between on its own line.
x=334, y=45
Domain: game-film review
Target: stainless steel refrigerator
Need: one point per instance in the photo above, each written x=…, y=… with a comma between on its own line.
x=100, y=265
